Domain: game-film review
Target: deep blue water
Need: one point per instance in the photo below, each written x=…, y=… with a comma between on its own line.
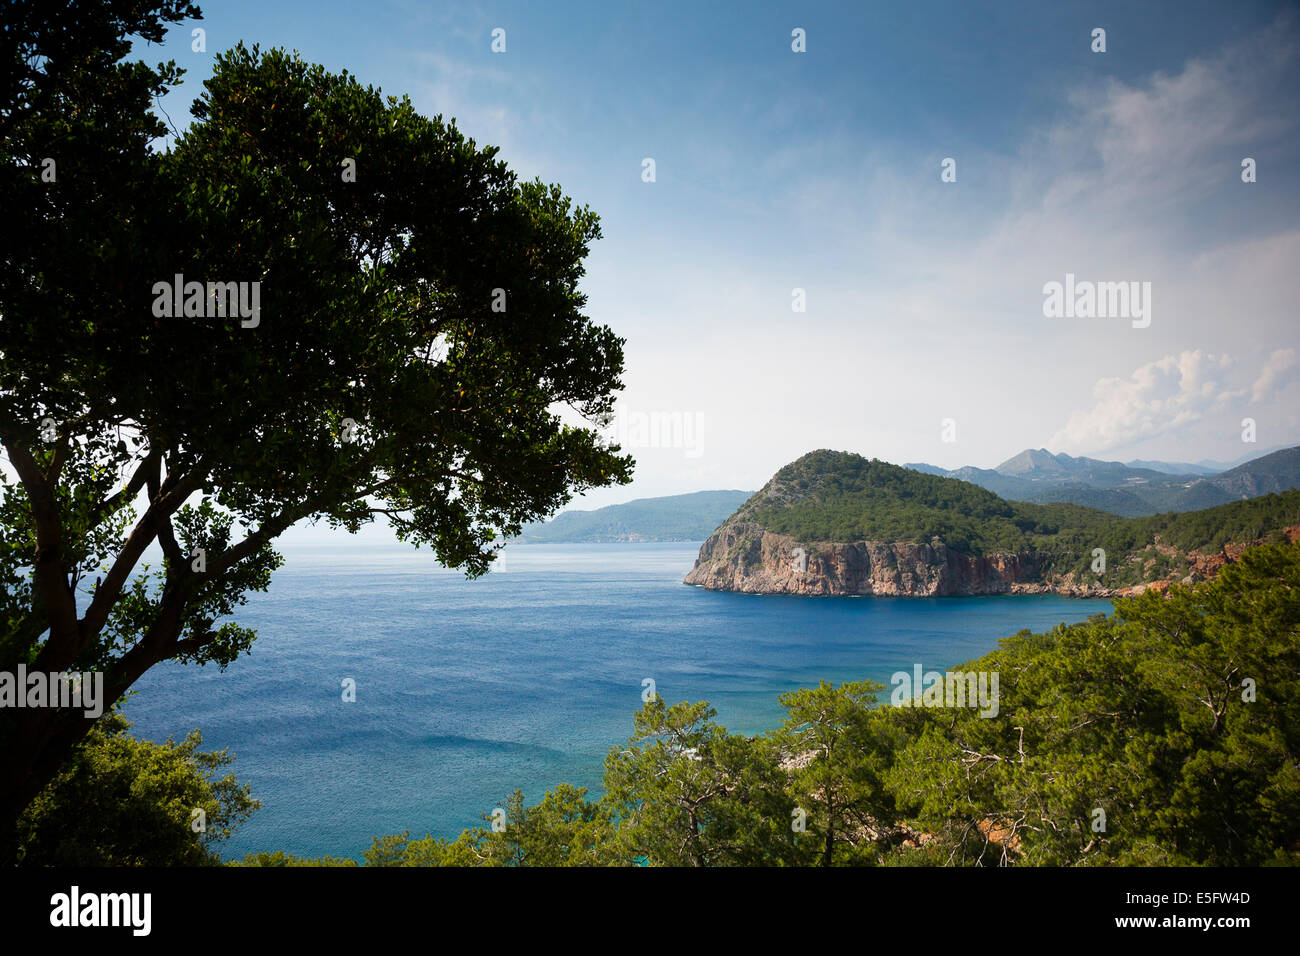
x=524, y=678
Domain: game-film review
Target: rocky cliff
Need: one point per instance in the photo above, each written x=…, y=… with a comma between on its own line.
x=742, y=556
x=745, y=557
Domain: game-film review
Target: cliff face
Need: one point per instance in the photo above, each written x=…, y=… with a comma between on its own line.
x=743, y=556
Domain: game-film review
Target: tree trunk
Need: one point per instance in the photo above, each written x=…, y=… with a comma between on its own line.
x=697, y=852
x=38, y=744
x=830, y=833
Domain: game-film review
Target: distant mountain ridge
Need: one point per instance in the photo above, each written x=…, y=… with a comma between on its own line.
x=1179, y=467
x=690, y=517
x=1132, y=490
x=1205, y=465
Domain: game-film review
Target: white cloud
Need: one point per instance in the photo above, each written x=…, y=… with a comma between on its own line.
x=1275, y=373
x=1168, y=396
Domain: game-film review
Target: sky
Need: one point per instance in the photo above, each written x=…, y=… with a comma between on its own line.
x=924, y=335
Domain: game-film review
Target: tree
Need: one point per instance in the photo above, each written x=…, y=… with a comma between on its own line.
x=120, y=801
x=1226, y=654
x=565, y=829
x=282, y=859
x=839, y=761
x=418, y=333
x=1166, y=734
x=687, y=793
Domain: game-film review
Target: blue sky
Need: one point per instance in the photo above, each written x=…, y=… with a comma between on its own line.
x=778, y=170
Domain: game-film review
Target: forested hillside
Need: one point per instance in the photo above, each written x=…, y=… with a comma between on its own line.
x=829, y=496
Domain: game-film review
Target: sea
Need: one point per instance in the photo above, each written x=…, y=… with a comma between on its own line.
x=387, y=694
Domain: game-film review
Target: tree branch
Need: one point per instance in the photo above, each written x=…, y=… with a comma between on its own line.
x=48, y=571
x=173, y=493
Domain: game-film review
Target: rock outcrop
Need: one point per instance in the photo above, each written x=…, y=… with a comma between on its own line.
x=743, y=556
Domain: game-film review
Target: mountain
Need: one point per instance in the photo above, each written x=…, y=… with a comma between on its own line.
x=1270, y=474
x=1218, y=466
x=927, y=469
x=1132, y=490
x=1181, y=467
x=673, y=518
x=837, y=523
x=1042, y=465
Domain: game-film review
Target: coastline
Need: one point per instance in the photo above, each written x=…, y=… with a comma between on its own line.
x=746, y=558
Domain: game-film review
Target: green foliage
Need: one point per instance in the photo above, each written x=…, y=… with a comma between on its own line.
x=280, y=858
x=1140, y=715
x=834, y=496
x=565, y=829
x=687, y=793
x=846, y=752
x=126, y=802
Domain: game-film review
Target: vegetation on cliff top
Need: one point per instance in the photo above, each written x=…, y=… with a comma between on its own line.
x=829, y=496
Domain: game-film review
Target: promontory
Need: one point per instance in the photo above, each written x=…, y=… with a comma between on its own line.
x=836, y=523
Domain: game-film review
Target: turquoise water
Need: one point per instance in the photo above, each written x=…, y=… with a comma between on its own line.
x=466, y=690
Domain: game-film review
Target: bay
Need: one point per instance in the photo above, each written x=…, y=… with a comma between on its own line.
x=523, y=678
